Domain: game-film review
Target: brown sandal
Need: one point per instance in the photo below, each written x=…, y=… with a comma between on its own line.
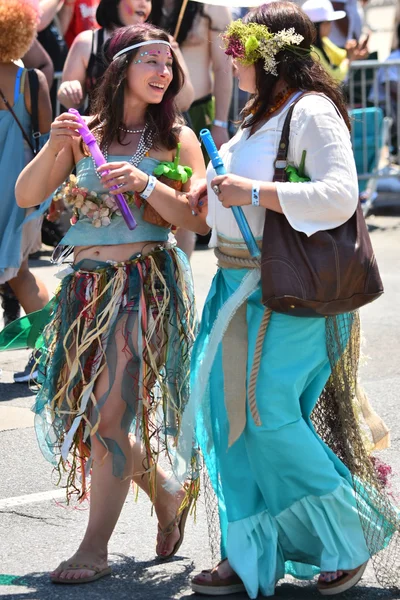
x=179, y=521
x=345, y=582
x=217, y=586
x=98, y=573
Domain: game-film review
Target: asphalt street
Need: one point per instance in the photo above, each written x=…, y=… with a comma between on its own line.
x=37, y=531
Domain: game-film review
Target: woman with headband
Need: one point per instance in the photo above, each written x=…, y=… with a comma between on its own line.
x=113, y=378
x=85, y=63
x=276, y=402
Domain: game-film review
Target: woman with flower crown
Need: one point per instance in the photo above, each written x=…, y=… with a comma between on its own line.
x=274, y=402
x=113, y=374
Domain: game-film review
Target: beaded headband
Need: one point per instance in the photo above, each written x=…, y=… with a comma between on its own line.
x=250, y=42
x=146, y=43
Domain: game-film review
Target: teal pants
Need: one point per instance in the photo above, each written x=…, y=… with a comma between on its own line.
x=286, y=501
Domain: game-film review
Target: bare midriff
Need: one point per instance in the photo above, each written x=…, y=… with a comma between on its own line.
x=119, y=253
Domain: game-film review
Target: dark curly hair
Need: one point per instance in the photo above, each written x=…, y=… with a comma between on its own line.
x=299, y=71
x=108, y=104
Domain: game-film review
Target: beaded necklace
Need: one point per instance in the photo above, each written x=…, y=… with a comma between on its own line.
x=144, y=145
x=280, y=99
x=130, y=130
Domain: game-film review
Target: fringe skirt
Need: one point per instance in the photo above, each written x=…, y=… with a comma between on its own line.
x=150, y=300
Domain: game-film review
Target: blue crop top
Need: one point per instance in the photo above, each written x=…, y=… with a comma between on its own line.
x=83, y=233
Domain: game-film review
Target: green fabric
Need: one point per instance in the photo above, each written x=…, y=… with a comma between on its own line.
x=26, y=331
x=202, y=116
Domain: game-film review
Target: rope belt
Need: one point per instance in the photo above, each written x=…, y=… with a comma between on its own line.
x=234, y=369
x=235, y=262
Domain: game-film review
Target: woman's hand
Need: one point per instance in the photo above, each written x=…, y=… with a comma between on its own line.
x=232, y=190
x=357, y=50
x=124, y=175
x=55, y=210
x=70, y=93
x=197, y=196
x=62, y=131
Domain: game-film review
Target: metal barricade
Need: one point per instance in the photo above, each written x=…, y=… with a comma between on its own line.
x=373, y=89
x=372, y=83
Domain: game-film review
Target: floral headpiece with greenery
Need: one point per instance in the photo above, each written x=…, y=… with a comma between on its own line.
x=250, y=42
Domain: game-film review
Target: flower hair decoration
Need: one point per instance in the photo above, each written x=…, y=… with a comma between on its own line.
x=250, y=42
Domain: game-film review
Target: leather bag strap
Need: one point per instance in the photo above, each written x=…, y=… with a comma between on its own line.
x=26, y=138
x=280, y=162
x=34, y=89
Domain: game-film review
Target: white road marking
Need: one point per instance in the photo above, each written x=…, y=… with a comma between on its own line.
x=6, y=503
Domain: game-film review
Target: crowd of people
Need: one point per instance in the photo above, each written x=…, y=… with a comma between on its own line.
x=266, y=399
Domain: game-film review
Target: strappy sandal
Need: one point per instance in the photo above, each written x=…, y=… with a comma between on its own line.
x=178, y=522
x=345, y=582
x=65, y=566
x=218, y=586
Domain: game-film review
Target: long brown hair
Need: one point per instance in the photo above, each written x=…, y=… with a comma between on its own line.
x=299, y=71
x=108, y=104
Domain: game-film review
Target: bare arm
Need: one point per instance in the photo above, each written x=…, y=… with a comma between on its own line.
x=47, y=171
x=72, y=92
x=49, y=10
x=37, y=58
x=222, y=69
x=65, y=15
x=172, y=205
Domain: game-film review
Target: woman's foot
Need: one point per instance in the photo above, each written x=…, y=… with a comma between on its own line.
x=329, y=576
x=336, y=582
x=170, y=523
x=81, y=567
x=219, y=581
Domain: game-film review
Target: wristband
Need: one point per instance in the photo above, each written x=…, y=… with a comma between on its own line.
x=151, y=184
x=255, y=193
x=219, y=123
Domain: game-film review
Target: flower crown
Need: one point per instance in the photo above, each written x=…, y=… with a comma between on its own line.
x=250, y=42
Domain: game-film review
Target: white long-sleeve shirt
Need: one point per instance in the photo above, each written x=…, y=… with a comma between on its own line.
x=325, y=202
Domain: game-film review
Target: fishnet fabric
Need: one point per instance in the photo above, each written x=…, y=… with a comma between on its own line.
x=213, y=520
x=336, y=419
x=336, y=422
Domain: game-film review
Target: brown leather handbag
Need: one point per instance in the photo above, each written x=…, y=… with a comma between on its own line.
x=329, y=273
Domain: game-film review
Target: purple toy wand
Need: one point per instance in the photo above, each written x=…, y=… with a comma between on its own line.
x=99, y=159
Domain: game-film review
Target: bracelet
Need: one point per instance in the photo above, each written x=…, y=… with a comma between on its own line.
x=255, y=193
x=151, y=184
x=219, y=123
